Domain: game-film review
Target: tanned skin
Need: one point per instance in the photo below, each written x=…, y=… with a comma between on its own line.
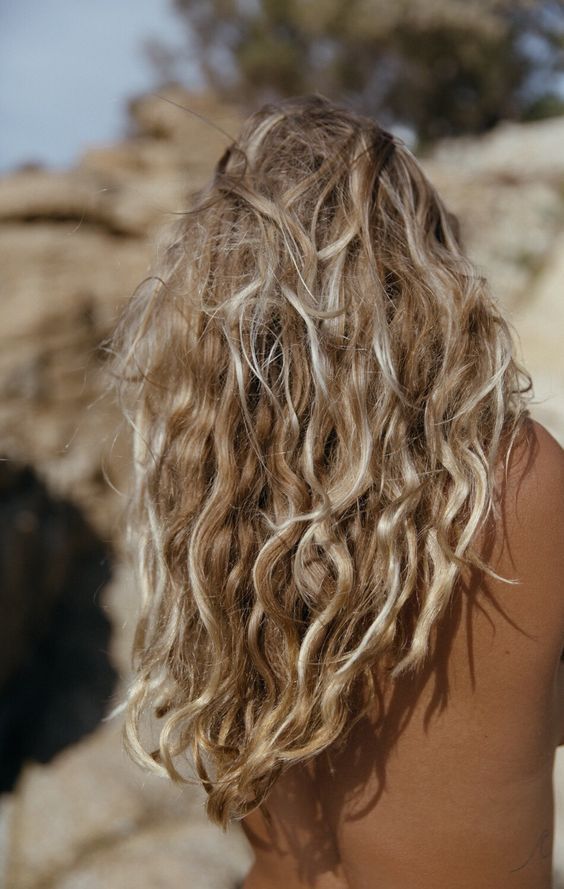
x=448, y=782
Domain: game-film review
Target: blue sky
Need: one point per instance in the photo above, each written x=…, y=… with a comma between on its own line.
x=67, y=68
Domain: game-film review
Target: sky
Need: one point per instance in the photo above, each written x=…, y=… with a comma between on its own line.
x=67, y=68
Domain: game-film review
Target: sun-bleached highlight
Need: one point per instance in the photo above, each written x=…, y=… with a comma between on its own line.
x=320, y=388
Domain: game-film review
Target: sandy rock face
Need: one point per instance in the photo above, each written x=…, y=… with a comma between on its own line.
x=73, y=246
x=508, y=191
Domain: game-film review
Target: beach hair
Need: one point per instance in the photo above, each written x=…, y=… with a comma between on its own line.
x=320, y=387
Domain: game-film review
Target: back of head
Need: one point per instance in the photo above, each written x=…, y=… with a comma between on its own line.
x=320, y=388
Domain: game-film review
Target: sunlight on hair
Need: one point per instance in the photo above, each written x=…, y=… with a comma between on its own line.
x=320, y=388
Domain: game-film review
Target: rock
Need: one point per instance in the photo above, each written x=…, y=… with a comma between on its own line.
x=520, y=152
x=121, y=203
x=113, y=821
x=61, y=292
x=540, y=324
x=167, y=856
x=489, y=200
x=192, y=119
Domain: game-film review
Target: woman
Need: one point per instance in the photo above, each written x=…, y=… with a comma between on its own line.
x=349, y=528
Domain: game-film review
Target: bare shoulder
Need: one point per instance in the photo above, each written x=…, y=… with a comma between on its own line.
x=534, y=476
x=533, y=491
x=530, y=538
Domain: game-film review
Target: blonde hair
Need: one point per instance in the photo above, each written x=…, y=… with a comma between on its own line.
x=319, y=385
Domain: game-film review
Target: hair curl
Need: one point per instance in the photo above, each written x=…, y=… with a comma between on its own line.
x=319, y=385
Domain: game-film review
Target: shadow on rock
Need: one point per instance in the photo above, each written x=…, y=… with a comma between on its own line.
x=55, y=675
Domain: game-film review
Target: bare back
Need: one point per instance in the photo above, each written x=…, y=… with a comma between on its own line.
x=448, y=781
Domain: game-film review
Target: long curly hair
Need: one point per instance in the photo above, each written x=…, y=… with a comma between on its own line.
x=320, y=387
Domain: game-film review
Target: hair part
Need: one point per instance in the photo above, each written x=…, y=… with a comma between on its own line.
x=319, y=386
